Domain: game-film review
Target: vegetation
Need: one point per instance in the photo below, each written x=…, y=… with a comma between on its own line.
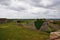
x=38, y=23
x=14, y=31
x=11, y=31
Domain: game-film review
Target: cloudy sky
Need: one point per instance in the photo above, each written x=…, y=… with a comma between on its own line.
x=29, y=9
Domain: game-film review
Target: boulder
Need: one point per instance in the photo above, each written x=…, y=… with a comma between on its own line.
x=55, y=36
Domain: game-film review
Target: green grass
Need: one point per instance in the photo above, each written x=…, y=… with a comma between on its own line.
x=11, y=31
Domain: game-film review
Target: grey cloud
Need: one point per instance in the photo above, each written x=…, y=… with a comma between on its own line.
x=5, y=2
x=25, y=11
x=32, y=2
x=56, y=4
x=17, y=9
x=35, y=1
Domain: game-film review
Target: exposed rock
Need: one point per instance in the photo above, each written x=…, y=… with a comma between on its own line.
x=55, y=36
x=30, y=25
x=55, y=26
x=44, y=27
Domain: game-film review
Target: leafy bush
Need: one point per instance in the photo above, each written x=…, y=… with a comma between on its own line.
x=38, y=23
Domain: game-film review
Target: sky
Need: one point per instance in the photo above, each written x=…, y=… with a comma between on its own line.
x=30, y=9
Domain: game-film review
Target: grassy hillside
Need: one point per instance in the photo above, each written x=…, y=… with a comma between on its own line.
x=11, y=31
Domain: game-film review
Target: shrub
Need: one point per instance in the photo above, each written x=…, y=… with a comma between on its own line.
x=38, y=23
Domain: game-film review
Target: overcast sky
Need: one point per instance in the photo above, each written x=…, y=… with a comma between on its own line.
x=29, y=9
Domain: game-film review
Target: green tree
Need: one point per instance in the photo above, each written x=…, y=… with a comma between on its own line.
x=38, y=23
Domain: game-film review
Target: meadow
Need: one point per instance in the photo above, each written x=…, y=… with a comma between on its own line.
x=11, y=31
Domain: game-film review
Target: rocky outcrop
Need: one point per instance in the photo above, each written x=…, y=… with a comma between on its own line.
x=55, y=36
x=55, y=26
x=47, y=26
x=44, y=27
x=30, y=25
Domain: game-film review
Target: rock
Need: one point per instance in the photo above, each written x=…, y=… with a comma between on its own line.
x=55, y=36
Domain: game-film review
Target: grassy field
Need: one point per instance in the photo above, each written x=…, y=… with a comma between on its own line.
x=11, y=31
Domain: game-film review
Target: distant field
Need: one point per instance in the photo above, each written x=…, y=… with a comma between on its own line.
x=58, y=22
x=11, y=31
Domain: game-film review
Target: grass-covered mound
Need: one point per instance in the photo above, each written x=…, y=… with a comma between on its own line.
x=11, y=31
